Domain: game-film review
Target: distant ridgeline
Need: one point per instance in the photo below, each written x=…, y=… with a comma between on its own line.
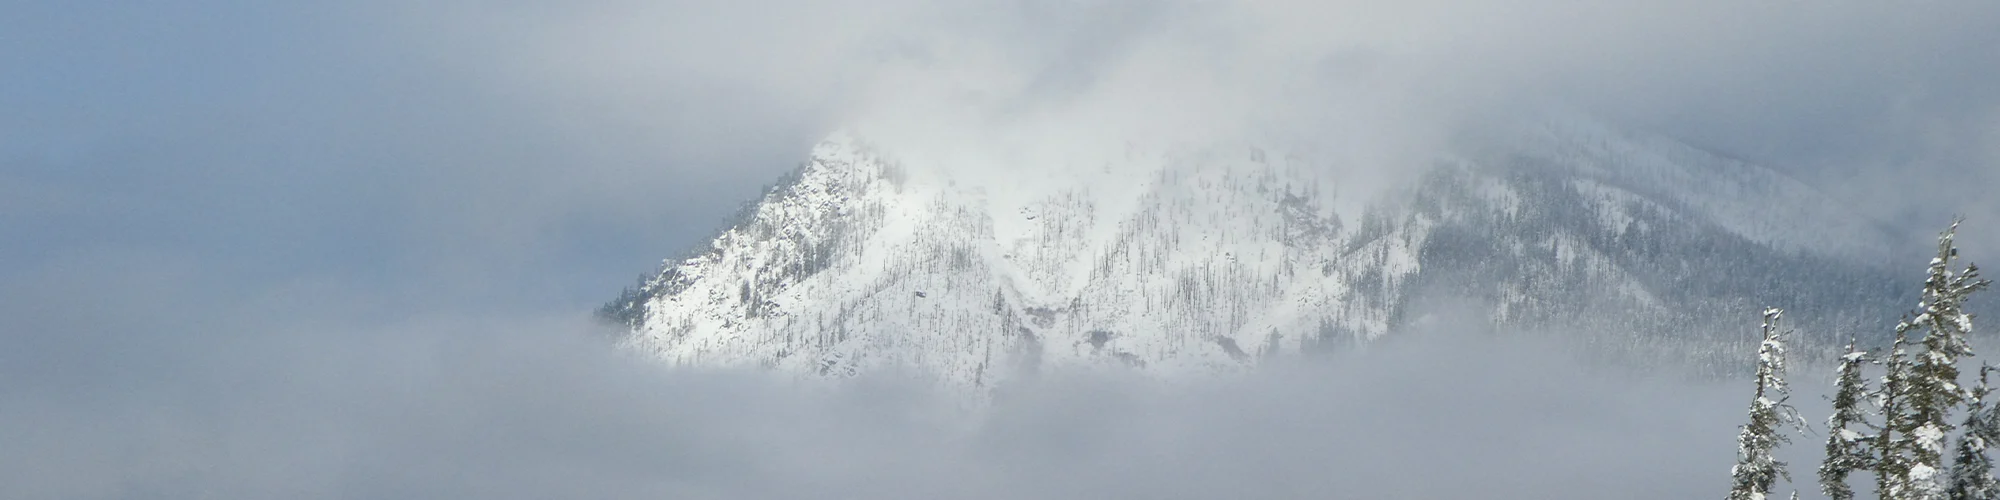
x=1635, y=247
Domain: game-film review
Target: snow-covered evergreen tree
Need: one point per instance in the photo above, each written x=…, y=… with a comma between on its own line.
x=1971, y=470
x=1756, y=469
x=1891, y=449
x=1917, y=394
x=1934, y=391
x=1846, y=448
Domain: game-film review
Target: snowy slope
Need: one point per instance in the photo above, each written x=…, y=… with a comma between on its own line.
x=1178, y=259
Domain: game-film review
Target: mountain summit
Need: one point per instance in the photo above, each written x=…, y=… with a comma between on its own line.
x=1177, y=259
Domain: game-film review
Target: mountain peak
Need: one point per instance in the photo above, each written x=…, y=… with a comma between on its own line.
x=978, y=265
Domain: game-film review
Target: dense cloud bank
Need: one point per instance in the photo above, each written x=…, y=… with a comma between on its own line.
x=519, y=408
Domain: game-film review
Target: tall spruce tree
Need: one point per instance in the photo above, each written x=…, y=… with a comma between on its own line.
x=1756, y=469
x=1934, y=391
x=1846, y=448
x=1891, y=450
x=1917, y=394
x=1971, y=470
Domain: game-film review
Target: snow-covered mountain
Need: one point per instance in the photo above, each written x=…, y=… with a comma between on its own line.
x=1204, y=258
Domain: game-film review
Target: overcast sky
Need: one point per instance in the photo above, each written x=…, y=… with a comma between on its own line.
x=272, y=249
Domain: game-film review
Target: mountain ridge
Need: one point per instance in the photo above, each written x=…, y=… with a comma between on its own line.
x=1208, y=259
